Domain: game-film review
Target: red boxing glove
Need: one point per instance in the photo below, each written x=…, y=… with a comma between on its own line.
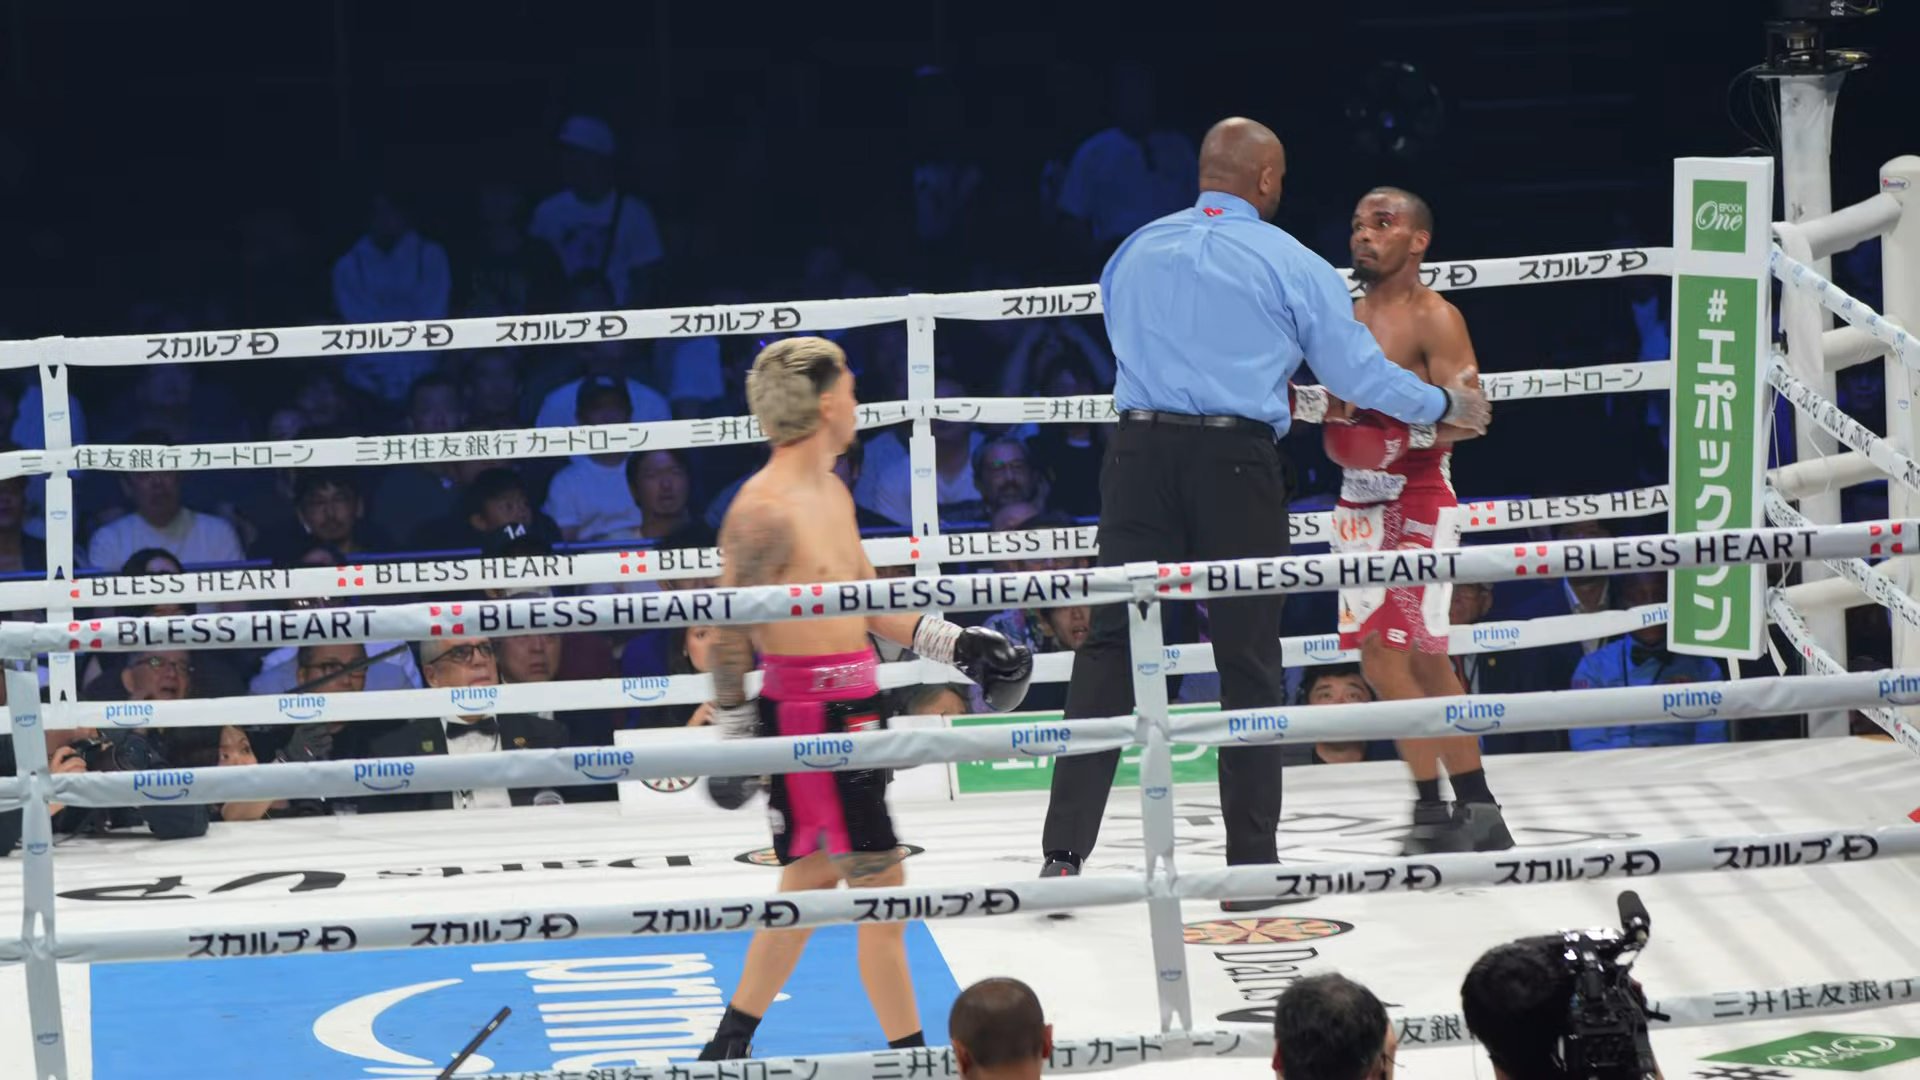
x=1370, y=441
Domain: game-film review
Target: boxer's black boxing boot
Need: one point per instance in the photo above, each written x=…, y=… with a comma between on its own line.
x=1434, y=830
x=733, y=1039
x=1060, y=864
x=1482, y=827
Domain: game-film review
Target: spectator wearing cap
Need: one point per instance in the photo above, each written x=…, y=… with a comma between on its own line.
x=464, y=663
x=560, y=407
x=593, y=227
x=159, y=520
x=589, y=499
x=390, y=274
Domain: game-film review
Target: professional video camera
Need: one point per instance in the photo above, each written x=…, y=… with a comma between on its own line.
x=1606, y=1037
x=1797, y=36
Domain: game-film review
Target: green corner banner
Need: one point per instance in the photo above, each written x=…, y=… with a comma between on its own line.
x=1717, y=456
x=1827, y=1050
x=1191, y=764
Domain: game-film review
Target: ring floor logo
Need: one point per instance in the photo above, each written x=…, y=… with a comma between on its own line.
x=577, y=1005
x=1262, y=957
x=1827, y=1050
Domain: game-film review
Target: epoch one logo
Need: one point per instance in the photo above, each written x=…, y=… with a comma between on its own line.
x=1720, y=215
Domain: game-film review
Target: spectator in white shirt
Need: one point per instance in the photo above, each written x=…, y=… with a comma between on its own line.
x=392, y=274
x=953, y=444
x=560, y=407
x=594, y=228
x=159, y=521
x=589, y=498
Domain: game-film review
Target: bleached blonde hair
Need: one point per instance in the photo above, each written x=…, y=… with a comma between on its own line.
x=786, y=382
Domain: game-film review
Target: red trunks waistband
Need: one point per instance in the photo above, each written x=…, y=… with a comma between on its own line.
x=846, y=676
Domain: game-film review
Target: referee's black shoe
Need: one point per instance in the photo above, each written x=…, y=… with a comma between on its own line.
x=1060, y=864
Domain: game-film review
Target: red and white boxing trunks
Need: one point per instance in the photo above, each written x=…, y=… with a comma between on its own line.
x=1411, y=507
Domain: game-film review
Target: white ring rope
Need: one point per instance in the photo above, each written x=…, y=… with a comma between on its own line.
x=564, y=920
x=776, y=318
x=670, y=564
x=1417, y=1031
x=1790, y=623
x=651, y=691
x=969, y=592
x=1873, y=584
x=1824, y=412
x=902, y=748
x=1796, y=274
x=510, y=445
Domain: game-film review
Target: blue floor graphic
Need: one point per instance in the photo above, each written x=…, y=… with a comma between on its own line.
x=576, y=1005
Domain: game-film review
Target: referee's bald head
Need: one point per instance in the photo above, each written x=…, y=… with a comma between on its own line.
x=997, y=1029
x=1245, y=158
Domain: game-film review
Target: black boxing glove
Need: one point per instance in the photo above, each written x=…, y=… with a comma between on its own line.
x=995, y=664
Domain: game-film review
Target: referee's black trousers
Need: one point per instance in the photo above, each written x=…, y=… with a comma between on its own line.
x=1170, y=492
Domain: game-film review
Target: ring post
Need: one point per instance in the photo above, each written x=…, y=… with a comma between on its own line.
x=923, y=486
x=36, y=852
x=1717, y=457
x=1147, y=649
x=1900, y=302
x=1807, y=105
x=62, y=681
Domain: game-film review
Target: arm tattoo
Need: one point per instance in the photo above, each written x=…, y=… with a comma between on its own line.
x=756, y=544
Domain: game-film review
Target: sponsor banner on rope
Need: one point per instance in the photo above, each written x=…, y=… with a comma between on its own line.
x=1031, y=767
x=577, y=1005
x=1832, y=1050
x=1718, y=459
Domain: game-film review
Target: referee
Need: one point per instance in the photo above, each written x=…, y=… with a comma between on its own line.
x=1210, y=311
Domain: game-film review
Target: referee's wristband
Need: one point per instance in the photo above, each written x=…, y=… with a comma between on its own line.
x=1447, y=415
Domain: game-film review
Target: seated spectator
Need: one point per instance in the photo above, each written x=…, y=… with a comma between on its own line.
x=79, y=750
x=216, y=674
x=849, y=467
x=1520, y=671
x=281, y=670
x=1518, y=1001
x=260, y=497
x=19, y=552
x=560, y=407
x=391, y=274
x=593, y=227
x=1328, y=1027
x=497, y=498
x=323, y=400
x=1067, y=457
x=490, y=387
x=503, y=270
x=954, y=442
x=207, y=747
x=159, y=520
x=323, y=669
x=689, y=652
x=28, y=431
x=589, y=498
x=1570, y=596
x=999, y=1031
x=1342, y=684
x=1642, y=659
x=329, y=510
x=411, y=497
x=451, y=663
x=1005, y=475
x=659, y=482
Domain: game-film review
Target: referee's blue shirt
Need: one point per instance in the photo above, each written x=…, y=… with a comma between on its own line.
x=1211, y=310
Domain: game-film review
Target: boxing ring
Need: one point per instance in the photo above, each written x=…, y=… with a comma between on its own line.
x=1776, y=873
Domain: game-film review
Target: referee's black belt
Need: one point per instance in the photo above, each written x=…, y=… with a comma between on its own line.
x=1228, y=423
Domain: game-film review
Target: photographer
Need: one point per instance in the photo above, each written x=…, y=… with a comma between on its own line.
x=83, y=750
x=1517, y=999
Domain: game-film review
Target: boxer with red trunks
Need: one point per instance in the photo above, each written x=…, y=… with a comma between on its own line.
x=793, y=523
x=1397, y=493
